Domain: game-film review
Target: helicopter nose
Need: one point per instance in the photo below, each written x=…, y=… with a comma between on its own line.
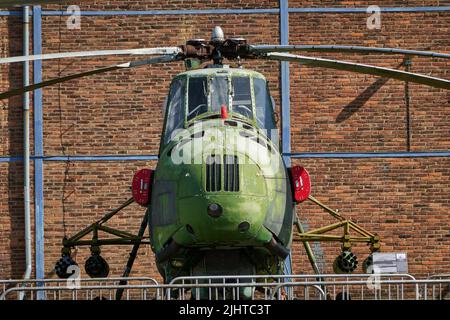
x=215, y=211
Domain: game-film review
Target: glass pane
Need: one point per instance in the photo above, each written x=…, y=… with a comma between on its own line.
x=264, y=111
x=175, y=117
x=219, y=93
x=242, y=96
x=198, y=97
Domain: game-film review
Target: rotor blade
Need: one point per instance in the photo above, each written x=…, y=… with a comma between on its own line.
x=50, y=82
x=360, y=68
x=142, y=51
x=338, y=48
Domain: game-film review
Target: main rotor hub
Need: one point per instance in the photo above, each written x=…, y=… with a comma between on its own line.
x=217, y=35
x=217, y=48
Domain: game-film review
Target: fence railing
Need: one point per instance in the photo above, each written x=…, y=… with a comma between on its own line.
x=338, y=288
x=274, y=287
x=42, y=285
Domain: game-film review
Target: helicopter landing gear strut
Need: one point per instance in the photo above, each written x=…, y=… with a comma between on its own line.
x=347, y=261
x=96, y=266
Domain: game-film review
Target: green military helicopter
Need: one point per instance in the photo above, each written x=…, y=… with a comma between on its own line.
x=221, y=200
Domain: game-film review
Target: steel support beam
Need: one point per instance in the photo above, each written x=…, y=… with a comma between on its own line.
x=285, y=85
x=303, y=155
x=236, y=11
x=38, y=148
x=386, y=155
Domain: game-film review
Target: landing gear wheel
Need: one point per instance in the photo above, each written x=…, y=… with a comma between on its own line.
x=346, y=262
x=62, y=265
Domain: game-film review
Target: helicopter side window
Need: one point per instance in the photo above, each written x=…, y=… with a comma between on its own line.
x=219, y=93
x=175, y=116
x=264, y=108
x=242, y=96
x=198, y=96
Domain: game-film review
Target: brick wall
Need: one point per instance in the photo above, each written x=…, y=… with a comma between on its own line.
x=406, y=201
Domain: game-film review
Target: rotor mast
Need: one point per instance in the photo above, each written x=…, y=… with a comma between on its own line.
x=217, y=39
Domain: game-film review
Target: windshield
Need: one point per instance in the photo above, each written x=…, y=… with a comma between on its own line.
x=176, y=107
x=219, y=93
x=218, y=90
x=209, y=95
x=198, y=96
x=264, y=108
x=242, y=96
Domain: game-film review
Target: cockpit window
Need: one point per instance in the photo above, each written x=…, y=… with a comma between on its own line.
x=198, y=96
x=219, y=93
x=242, y=97
x=175, y=116
x=264, y=108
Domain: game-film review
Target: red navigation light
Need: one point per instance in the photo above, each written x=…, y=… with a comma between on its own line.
x=301, y=183
x=140, y=186
x=224, y=111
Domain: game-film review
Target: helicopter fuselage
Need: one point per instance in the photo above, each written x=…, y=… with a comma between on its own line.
x=220, y=189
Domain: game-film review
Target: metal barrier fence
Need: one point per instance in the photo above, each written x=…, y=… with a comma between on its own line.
x=442, y=291
x=293, y=287
x=41, y=285
x=337, y=287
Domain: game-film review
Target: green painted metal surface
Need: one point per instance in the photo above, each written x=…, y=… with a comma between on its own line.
x=253, y=193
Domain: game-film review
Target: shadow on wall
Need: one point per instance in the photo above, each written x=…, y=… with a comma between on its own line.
x=362, y=98
x=15, y=169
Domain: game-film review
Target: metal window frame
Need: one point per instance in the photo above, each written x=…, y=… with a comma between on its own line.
x=235, y=11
